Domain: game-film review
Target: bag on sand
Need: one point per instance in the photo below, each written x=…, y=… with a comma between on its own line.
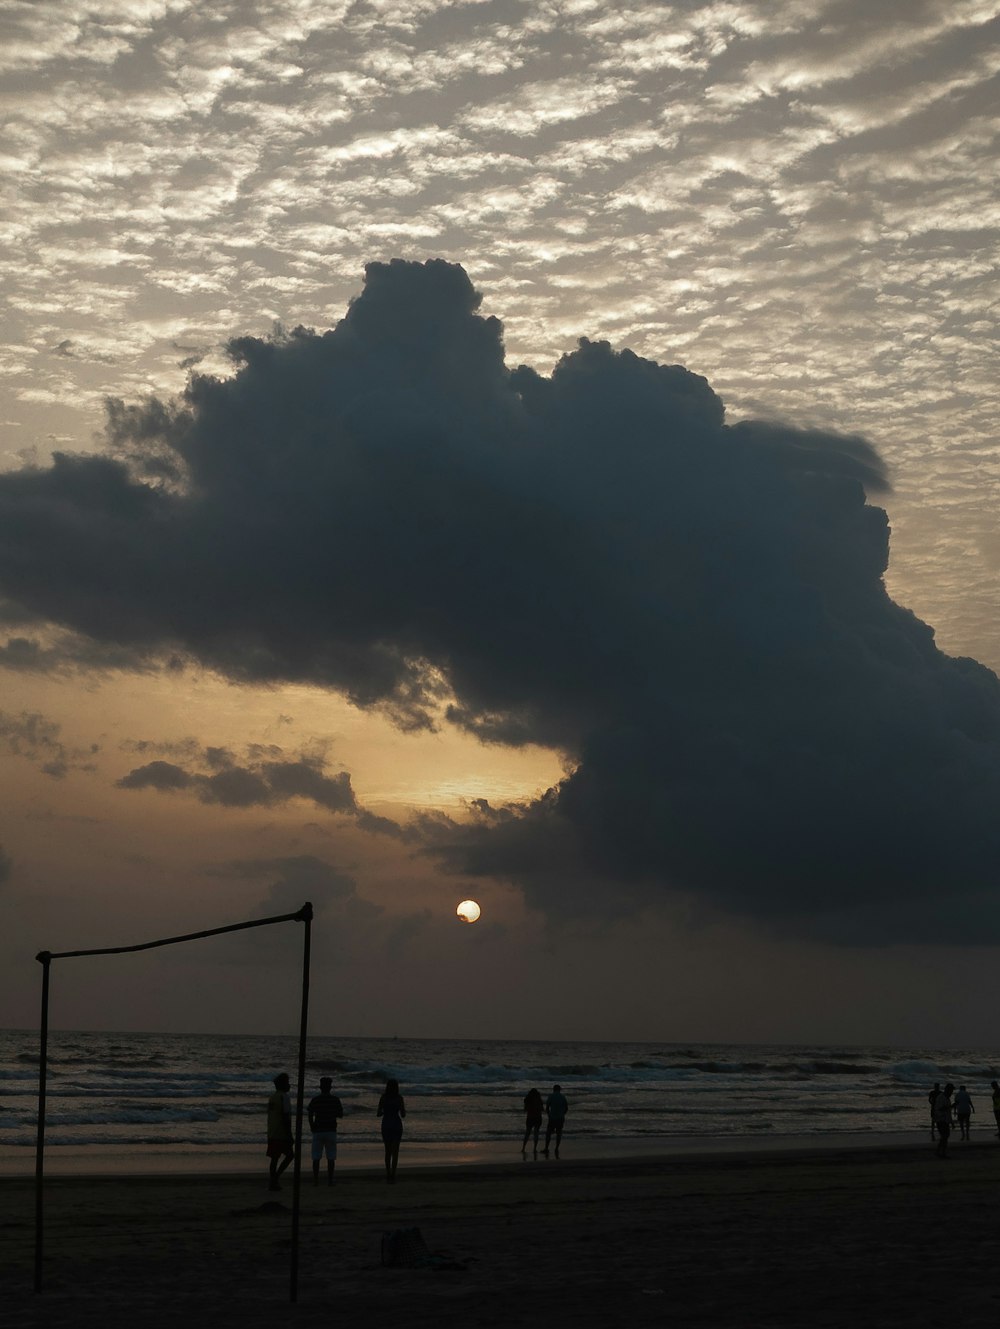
x=404, y=1248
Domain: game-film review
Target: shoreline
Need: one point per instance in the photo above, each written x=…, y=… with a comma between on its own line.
x=65, y=1161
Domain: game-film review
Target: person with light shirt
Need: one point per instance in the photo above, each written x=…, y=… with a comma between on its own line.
x=963, y=1111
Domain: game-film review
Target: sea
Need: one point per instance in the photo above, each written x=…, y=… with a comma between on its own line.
x=203, y=1095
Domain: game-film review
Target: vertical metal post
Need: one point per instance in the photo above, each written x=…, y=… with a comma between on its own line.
x=306, y=914
x=45, y=959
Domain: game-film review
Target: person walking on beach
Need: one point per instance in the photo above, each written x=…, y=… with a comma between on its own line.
x=532, y=1119
x=556, y=1108
x=932, y=1099
x=392, y=1110
x=280, y=1144
x=996, y=1103
x=963, y=1111
x=324, y=1113
x=942, y=1118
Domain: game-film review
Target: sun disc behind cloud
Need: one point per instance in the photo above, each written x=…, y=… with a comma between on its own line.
x=468, y=911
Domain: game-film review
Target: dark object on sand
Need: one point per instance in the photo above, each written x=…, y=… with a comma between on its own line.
x=404, y=1249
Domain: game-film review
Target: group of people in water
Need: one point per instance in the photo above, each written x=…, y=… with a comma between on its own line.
x=955, y=1107
x=326, y=1109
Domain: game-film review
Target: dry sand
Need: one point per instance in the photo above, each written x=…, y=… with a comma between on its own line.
x=880, y=1237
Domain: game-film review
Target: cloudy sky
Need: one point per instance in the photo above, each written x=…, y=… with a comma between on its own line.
x=545, y=452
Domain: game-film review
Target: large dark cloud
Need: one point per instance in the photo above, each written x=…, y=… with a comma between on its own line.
x=693, y=612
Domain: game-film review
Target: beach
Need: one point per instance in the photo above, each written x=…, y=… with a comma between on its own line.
x=874, y=1234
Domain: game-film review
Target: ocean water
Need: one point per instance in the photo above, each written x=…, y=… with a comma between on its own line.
x=134, y=1091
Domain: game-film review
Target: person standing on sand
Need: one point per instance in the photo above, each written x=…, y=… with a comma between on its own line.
x=532, y=1119
x=963, y=1111
x=996, y=1102
x=932, y=1099
x=556, y=1108
x=392, y=1110
x=324, y=1113
x=280, y=1144
x=942, y=1118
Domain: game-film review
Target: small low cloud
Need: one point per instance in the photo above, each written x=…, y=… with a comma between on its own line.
x=36, y=739
x=292, y=880
x=353, y=926
x=263, y=777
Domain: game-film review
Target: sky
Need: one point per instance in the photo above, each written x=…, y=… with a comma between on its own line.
x=537, y=452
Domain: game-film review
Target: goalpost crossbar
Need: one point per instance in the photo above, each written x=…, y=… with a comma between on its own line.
x=45, y=958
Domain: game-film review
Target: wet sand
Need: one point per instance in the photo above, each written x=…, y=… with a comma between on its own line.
x=801, y=1237
x=366, y=1152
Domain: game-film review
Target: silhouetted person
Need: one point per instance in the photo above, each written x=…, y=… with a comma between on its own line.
x=963, y=1111
x=932, y=1099
x=996, y=1102
x=556, y=1108
x=392, y=1110
x=532, y=1119
x=942, y=1118
x=324, y=1113
x=280, y=1144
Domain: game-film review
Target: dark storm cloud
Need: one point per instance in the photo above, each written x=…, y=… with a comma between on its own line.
x=694, y=613
x=265, y=778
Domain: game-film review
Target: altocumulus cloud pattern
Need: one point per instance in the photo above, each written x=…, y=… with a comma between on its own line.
x=692, y=612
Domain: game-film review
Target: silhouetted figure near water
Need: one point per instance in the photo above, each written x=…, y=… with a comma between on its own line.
x=932, y=1099
x=996, y=1103
x=324, y=1113
x=942, y=1118
x=556, y=1108
x=532, y=1119
x=392, y=1110
x=963, y=1111
x=280, y=1143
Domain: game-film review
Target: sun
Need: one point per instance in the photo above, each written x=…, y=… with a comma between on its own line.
x=468, y=911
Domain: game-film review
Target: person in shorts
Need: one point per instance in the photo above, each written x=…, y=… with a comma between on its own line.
x=324, y=1112
x=280, y=1144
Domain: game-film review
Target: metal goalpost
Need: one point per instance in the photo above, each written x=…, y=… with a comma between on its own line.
x=45, y=958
